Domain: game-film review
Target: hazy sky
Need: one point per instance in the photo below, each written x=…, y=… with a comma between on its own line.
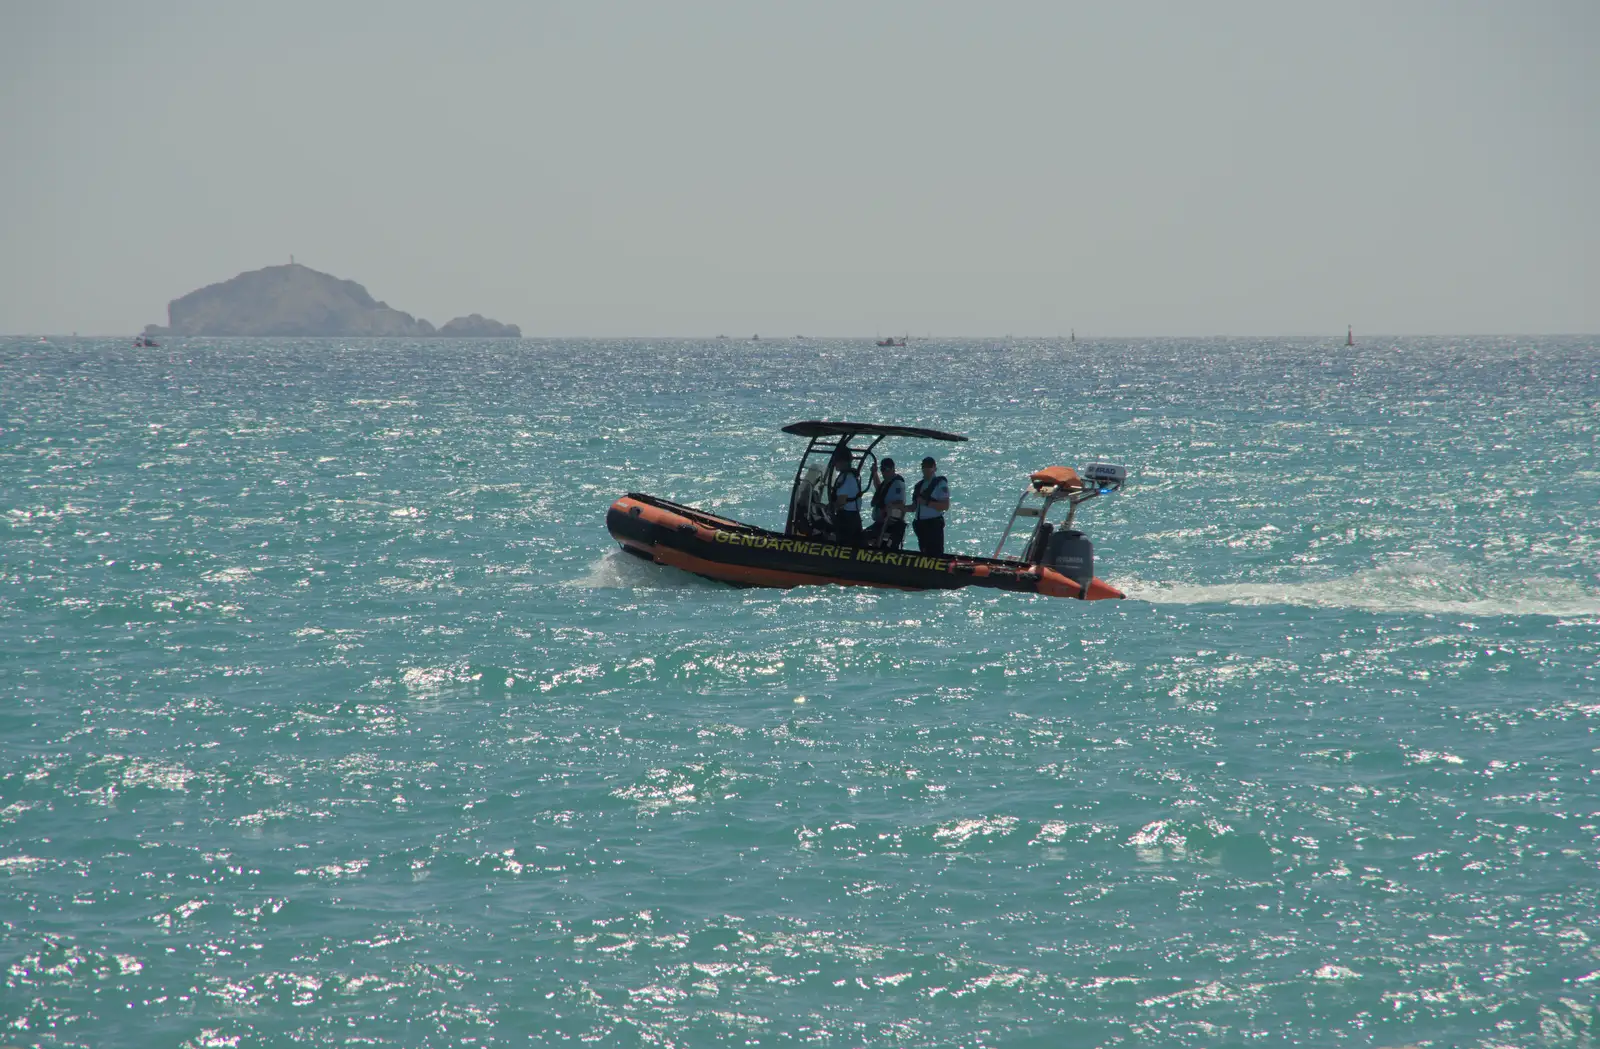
x=821, y=168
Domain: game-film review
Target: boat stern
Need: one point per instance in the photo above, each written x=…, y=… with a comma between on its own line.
x=1100, y=590
x=1058, y=584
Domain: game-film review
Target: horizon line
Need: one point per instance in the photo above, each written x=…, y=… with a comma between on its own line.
x=838, y=338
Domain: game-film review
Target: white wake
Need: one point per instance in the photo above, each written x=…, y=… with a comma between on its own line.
x=1434, y=587
x=617, y=570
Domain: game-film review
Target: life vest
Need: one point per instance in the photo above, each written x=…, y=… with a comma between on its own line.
x=916, y=496
x=880, y=499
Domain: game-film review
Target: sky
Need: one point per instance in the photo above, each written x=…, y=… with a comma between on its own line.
x=821, y=168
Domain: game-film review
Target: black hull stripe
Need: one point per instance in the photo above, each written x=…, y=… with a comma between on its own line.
x=753, y=547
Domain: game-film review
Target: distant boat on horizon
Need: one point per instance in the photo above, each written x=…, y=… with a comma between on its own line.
x=1349, y=335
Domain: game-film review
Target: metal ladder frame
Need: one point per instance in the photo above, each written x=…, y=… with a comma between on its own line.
x=1048, y=497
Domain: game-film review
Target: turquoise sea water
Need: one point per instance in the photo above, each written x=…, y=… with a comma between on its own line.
x=330, y=715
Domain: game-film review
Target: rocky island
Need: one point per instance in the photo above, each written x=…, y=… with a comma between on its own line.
x=297, y=300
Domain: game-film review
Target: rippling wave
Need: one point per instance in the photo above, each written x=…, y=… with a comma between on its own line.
x=330, y=713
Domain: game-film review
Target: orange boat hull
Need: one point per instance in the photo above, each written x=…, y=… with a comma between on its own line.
x=745, y=555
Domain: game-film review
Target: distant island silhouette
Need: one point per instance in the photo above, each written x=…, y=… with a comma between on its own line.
x=298, y=300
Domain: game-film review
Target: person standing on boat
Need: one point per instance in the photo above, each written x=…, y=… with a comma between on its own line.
x=931, y=498
x=846, y=502
x=888, y=529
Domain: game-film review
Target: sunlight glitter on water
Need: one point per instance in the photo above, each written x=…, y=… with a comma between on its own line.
x=404, y=742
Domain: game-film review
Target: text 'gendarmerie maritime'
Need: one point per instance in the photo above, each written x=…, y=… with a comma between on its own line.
x=846, y=553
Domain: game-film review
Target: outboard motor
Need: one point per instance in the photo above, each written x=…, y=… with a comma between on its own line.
x=1070, y=553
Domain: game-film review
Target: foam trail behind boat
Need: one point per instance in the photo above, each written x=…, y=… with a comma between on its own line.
x=1428, y=587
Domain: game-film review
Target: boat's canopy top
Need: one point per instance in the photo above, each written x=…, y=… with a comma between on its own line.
x=818, y=428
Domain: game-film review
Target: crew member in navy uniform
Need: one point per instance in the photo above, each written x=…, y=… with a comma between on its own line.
x=931, y=498
x=846, y=502
x=888, y=528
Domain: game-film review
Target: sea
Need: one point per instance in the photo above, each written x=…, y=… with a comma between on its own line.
x=330, y=714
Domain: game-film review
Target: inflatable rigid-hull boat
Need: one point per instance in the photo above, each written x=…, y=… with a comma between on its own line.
x=715, y=547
